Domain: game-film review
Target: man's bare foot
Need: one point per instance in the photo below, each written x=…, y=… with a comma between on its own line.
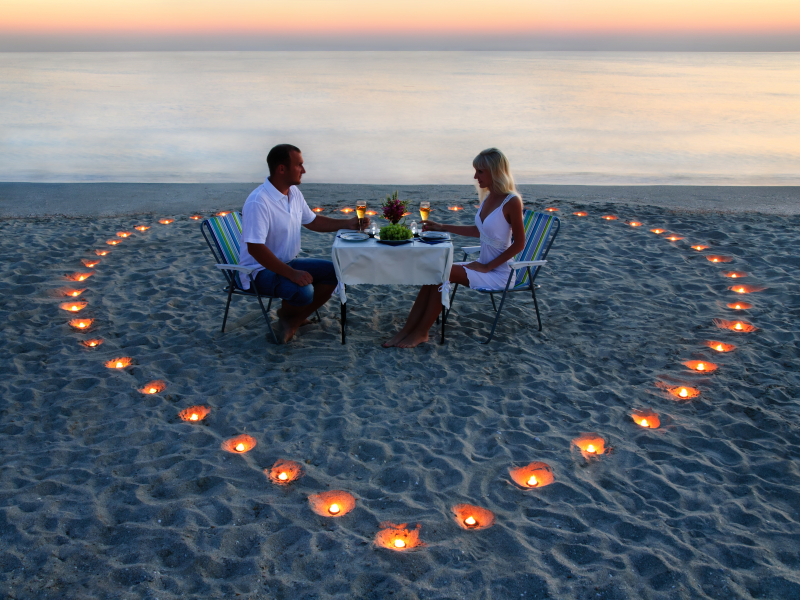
x=412, y=340
x=285, y=329
x=393, y=341
x=281, y=313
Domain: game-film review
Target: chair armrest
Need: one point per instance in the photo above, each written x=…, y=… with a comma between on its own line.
x=527, y=263
x=246, y=270
x=471, y=249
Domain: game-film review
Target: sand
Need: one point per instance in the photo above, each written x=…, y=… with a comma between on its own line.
x=106, y=493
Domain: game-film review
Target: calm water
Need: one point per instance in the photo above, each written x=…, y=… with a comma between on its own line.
x=402, y=117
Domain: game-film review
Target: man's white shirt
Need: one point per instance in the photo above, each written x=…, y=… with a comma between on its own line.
x=273, y=219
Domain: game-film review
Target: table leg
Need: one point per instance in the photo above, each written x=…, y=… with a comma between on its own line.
x=344, y=319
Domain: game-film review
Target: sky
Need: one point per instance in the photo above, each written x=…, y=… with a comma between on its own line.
x=725, y=25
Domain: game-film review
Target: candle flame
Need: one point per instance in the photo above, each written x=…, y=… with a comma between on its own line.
x=550, y=209
x=532, y=481
x=644, y=423
x=734, y=275
x=590, y=448
x=333, y=509
x=119, y=365
x=398, y=543
x=195, y=217
x=657, y=231
x=741, y=290
x=93, y=344
x=193, y=417
x=715, y=260
x=152, y=390
x=683, y=393
x=317, y=210
x=198, y=413
x=469, y=521
x=701, y=367
x=74, y=308
x=81, y=277
x=719, y=347
x=283, y=477
x=635, y=224
x=580, y=214
x=240, y=447
x=738, y=326
x=81, y=324
x=223, y=213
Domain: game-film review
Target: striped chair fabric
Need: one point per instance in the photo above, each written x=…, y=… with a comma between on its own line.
x=537, y=232
x=227, y=234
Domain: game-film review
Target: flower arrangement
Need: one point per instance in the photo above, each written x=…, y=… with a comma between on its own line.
x=394, y=209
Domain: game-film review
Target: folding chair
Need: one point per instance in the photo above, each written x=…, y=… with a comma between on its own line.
x=540, y=232
x=224, y=237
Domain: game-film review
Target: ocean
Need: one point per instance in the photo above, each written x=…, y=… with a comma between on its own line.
x=602, y=118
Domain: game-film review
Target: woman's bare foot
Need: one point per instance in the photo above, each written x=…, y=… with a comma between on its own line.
x=412, y=340
x=393, y=341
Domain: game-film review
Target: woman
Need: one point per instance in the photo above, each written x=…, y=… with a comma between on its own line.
x=498, y=221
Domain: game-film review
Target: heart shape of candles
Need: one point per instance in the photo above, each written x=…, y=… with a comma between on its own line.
x=73, y=306
x=90, y=262
x=699, y=247
x=165, y=221
x=609, y=217
x=739, y=305
x=194, y=414
x=746, y=289
x=701, y=366
x=737, y=326
x=81, y=324
x=718, y=258
x=79, y=276
x=398, y=537
x=719, y=346
x=284, y=472
x=473, y=517
x=102, y=252
x=734, y=274
x=335, y=503
x=580, y=214
x=141, y=228
x=590, y=444
x=123, y=234
x=533, y=475
x=92, y=343
x=646, y=418
x=153, y=387
x=239, y=444
x=119, y=363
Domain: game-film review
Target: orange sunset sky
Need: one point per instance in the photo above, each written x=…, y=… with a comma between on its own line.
x=269, y=24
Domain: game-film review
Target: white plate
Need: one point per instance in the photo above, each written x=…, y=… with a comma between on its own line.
x=354, y=237
x=434, y=235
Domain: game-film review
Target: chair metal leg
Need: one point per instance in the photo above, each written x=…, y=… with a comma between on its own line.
x=266, y=314
x=493, y=304
x=319, y=319
x=344, y=320
x=496, y=317
x=227, y=306
x=536, y=306
x=452, y=297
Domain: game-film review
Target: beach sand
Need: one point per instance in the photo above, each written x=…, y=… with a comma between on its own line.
x=106, y=493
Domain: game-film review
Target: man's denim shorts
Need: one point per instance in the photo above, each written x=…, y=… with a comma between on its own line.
x=277, y=286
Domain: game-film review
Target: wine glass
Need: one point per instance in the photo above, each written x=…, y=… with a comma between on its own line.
x=361, y=211
x=424, y=211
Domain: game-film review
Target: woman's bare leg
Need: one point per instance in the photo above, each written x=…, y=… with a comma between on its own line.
x=419, y=332
x=417, y=311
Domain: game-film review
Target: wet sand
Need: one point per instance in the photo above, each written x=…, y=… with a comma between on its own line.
x=106, y=493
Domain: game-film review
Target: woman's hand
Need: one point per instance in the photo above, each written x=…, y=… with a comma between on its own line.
x=478, y=267
x=432, y=226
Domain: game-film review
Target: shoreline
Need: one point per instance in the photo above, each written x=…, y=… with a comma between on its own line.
x=116, y=199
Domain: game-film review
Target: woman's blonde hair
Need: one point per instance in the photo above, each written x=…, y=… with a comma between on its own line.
x=496, y=163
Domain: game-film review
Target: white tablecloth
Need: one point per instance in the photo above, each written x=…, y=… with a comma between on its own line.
x=416, y=263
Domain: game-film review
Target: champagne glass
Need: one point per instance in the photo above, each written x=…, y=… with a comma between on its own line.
x=361, y=211
x=424, y=211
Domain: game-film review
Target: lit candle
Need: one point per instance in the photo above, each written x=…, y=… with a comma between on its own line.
x=93, y=344
x=317, y=209
x=193, y=218
x=152, y=390
x=714, y=260
x=590, y=448
x=398, y=543
x=738, y=325
x=701, y=367
x=741, y=290
x=719, y=347
x=657, y=231
x=240, y=447
x=119, y=365
x=580, y=214
x=644, y=423
x=333, y=509
x=193, y=417
x=469, y=521
x=683, y=393
x=532, y=481
x=635, y=224
x=283, y=476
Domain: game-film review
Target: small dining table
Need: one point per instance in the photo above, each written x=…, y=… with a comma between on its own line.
x=372, y=262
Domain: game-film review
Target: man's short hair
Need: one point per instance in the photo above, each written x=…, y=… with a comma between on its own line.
x=280, y=155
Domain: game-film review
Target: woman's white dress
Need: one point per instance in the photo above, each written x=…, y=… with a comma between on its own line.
x=495, y=239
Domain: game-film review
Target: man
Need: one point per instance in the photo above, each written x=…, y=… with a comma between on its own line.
x=271, y=220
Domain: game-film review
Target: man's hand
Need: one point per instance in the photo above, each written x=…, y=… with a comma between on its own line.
x=353, y=223
x=301, y=278
x=432, y=226
x=478, y=267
